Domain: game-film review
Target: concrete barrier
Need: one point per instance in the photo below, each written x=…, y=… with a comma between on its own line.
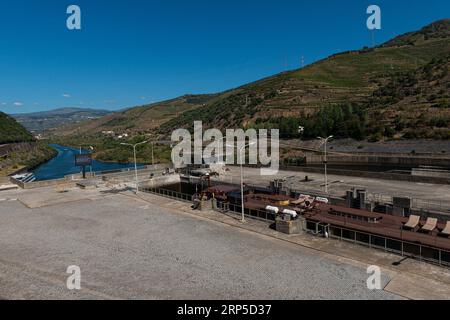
x=290, y=227
x=161, y=181
x=39, y=184
x=381, y=159
x=91, y=175
x=435, y=173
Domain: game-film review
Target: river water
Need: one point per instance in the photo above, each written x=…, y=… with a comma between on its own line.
x=64, y=164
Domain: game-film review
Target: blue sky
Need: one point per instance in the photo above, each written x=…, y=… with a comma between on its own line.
x=134, y=52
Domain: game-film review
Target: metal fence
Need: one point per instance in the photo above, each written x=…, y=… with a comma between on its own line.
x=420, y=204
x=169, y=194
x=218, y=206
x=403, y=248
x=236, y=209
x=433, y=205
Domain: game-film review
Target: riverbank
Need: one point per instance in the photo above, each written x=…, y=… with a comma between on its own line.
x=107, y=149
x=26, y=156
x=64, y=164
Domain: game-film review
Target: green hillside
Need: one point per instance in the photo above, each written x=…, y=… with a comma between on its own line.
x=19, y=150
x=348, y=79
x=409, y=104
x=137, y=120
x=368, y=93
x=437, y=30
x=11, y=131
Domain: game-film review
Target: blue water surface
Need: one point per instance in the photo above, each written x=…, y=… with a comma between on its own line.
x=64, y=164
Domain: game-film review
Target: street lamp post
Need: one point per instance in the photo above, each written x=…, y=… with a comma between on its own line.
x=242, y=179
x=325, y=160
x=135, y=162
x=153, y=156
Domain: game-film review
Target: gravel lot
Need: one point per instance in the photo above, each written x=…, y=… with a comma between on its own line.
x=132, y=250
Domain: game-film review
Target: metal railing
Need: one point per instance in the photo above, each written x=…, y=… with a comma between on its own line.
x=416, y=203
x=416, y=251
x=411, y=250
x=236, y=209
x=169, y=194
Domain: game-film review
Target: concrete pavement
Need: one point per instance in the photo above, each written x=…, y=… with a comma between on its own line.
x=130, y=248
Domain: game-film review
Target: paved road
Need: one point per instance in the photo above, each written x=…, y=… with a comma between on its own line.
x=136, y=250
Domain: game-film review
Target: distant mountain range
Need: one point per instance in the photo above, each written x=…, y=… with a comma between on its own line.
x=38, y=122
x=398, y=89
